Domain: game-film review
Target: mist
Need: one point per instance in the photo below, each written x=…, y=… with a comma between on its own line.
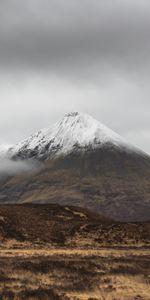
x=9, y=167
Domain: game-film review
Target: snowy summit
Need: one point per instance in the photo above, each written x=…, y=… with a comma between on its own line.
x=75, y=131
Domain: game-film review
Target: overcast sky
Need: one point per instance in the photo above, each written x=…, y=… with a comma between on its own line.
x=58, y=56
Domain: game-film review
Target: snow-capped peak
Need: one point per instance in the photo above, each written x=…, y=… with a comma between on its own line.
x=75, y=131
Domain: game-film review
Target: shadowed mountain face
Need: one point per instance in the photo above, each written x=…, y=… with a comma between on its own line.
x=110, y=181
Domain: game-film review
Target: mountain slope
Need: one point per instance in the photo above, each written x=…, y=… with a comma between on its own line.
x=97, y=185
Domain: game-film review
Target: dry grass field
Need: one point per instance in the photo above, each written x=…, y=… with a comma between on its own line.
x=85, y=275
x=65, y=253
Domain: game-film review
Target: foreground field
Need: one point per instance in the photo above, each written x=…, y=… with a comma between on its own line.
x=65, y=253
x=75, y=274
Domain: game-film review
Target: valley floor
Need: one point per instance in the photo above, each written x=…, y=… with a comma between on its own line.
x=75, y=274
x=52, y=252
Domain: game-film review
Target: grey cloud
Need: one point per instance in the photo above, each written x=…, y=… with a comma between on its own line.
x=76, y=37
x=62, y=55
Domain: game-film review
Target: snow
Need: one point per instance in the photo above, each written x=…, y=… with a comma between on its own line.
x=75, y=129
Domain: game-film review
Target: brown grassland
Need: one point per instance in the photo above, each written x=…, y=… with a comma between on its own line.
x=54, y=252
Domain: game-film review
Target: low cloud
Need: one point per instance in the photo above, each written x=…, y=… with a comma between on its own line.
x=9, y=167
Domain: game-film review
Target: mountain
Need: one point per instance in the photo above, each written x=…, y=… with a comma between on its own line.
x=83, y=163
x=75, y=132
